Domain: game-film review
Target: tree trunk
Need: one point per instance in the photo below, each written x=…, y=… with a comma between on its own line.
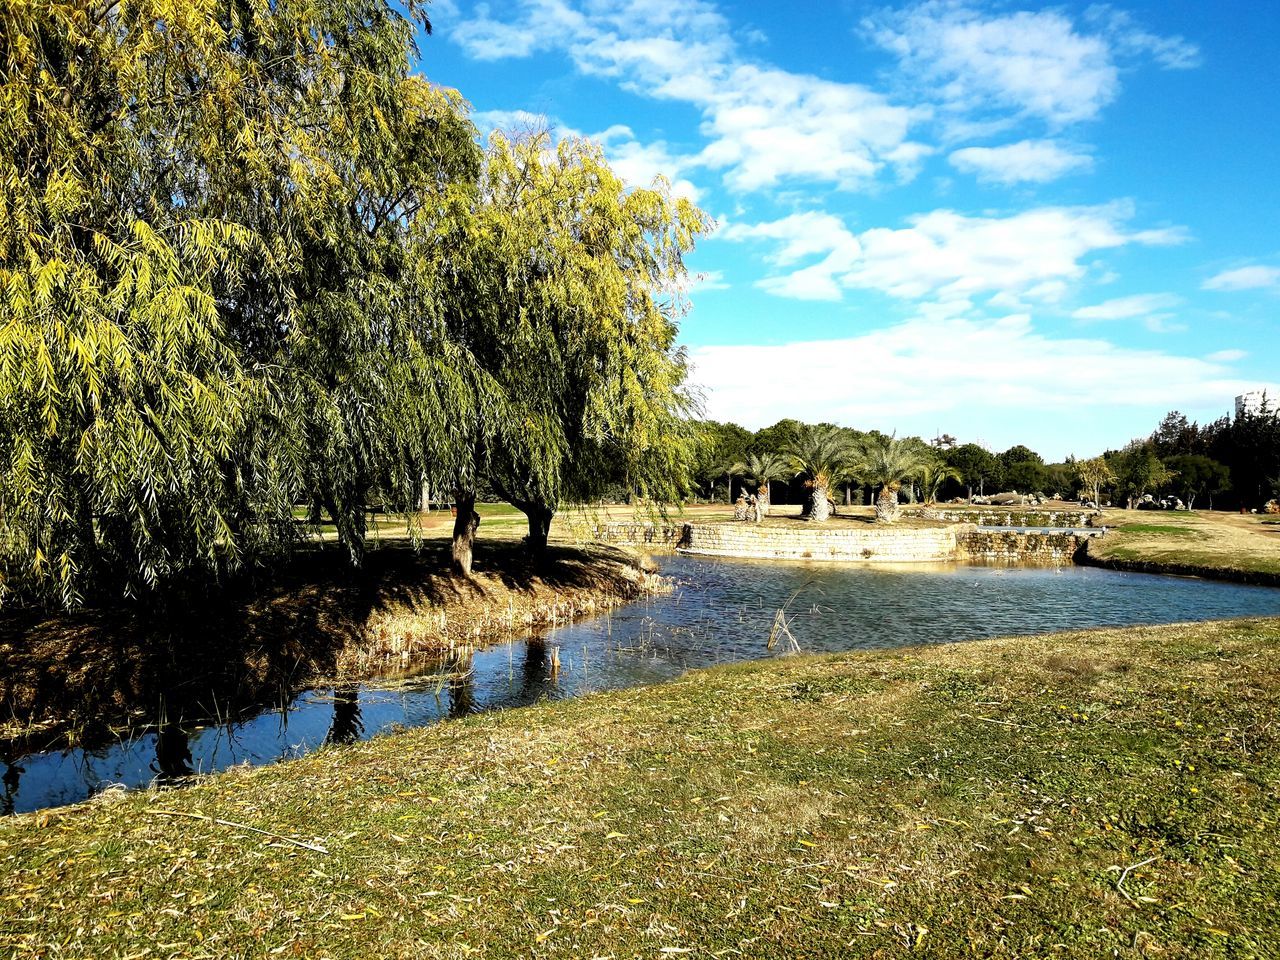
x=540, y=516
x=848, y=495
x=821, y=509
x=766, y=500
x=887, y=504
x=424, y=499
x=465, y=525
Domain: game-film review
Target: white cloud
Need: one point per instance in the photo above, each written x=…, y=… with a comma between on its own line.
x=640, y=164
x=763, y=124
x=1030, y=161
x=1037, y=64
x=799, y=237
x=1227, y=356
x=1128, y=308
x=1033, y=63
x=1171, y=53
x=519, y=122
x=1001, y=380
x=946, y=255
x=484, y=38
x=766, y=125
x=1244, y=278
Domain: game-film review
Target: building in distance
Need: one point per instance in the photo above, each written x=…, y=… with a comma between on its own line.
x=1254, y=403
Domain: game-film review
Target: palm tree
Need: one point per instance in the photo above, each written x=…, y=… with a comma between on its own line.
x=932, y=476
x=824, y=456
x=886, y=462
x=763, y=469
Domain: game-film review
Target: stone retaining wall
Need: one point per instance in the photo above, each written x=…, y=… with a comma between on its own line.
x=957, y=543
x=864, y=545
x=1019, y=518
x=1002, y=546
x=636, y=533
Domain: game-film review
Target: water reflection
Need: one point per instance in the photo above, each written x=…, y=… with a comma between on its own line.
x=721, y=612
x=462, y=691
x=173, y=753
x=347, y=724
x=12, y=775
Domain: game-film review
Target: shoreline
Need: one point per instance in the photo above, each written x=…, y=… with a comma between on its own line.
x=1225, y=546
x=1253, y=578
x=85, y=678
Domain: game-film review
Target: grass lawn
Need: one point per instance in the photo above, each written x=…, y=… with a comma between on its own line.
x=1214, y=541
x=502, y=521
x=1108, y=793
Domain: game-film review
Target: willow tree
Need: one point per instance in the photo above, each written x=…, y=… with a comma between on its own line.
x=208, y=307
x=563, y=285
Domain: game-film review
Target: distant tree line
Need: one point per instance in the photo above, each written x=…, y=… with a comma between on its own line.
x=1231, y=463
x=938, y=469
x=255, y=274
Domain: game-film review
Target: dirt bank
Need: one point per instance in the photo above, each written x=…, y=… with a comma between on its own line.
x=86, y=677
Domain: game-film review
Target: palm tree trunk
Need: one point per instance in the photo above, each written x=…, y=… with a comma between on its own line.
x=821, y=510
x=765, y=498
x=887, y=504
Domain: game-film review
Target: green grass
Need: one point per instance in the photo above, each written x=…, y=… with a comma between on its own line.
x=1159, y=528
x=1206, y=543
x=976, y=799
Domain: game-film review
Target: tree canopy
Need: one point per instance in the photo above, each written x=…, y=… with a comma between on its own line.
x=248, y=260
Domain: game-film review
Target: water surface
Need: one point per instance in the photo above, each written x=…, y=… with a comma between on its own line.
x=721, y=611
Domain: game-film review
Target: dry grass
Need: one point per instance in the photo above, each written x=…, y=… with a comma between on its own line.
x=977, y=799
x=1209, y=541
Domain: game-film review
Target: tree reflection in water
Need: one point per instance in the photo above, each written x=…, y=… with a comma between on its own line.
x=173, y=752
x=538, y=678
x=462, y=691
x=347, y=722
x=12, y=774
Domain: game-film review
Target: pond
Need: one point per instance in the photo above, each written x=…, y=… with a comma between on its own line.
x=721, y=611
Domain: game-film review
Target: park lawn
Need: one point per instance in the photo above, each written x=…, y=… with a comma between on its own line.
x=1208, y=541
x=1110, y=792
x=501, y=521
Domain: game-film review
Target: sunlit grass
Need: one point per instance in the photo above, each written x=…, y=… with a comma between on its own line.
x=1090, y=794
x=1191, y=542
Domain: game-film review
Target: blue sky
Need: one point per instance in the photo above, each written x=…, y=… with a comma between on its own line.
x=1012, y=223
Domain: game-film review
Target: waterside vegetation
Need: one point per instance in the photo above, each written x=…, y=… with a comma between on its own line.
x=91, y=676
